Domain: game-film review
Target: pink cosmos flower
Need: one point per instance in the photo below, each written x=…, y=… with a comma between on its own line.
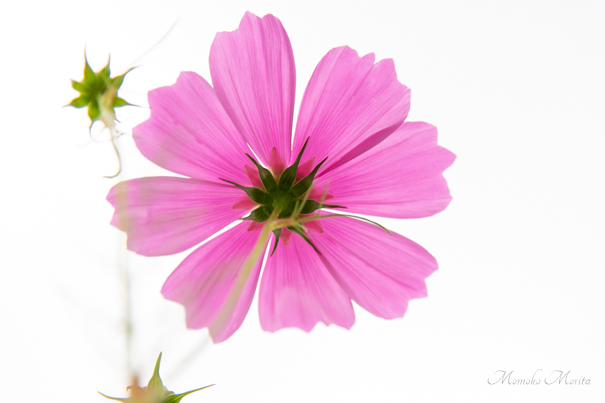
x=232, y=141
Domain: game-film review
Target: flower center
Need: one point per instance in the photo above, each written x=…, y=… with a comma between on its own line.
x=283, y=198
x=284, y=195
x=284, y=201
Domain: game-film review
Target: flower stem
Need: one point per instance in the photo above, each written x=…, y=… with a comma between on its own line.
x=127, y=320
x=112, y=133
x=125, y=277
x=242, y=279
x=318, y=217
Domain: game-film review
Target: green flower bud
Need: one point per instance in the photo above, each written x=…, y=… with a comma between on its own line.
x=154, y=392
x=99, y=92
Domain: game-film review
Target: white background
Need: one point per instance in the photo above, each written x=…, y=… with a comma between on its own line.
x=516, y=89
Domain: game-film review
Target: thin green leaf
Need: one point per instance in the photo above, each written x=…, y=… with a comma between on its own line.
x=350, y=216
x=177, y=398
x=305, y=183
x=155, y=386
x=288, y=177
x=255, y=194
x=299, y=204
x=266, y=177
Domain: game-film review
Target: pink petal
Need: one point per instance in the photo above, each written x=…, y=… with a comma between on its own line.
x=244, y=203
x=380, y=272
x=305, y=168
x=204, y=280
x=166, y=215
x=277, y=165
x=189, y=132
x=317, y=193
x=253, y=177
x=297, y=291
x=401, y=177
x=255, y=226
x=314, y=226
x=285, y=237
x=349, y=106
x=253, y=72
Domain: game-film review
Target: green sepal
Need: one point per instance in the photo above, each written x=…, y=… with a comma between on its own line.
x=300, y=232
x=80, y=87
x=255, y=194
x=287, y=178
x=155, y=386
x=117, y=102
x=89, y=75
x=305, y=183
x=119, y=399
x=277, y=234
x=311, y=206
x=177, y=398
x=357, y=218
x=116, y=82
x=261, y=214
x=93, y=111
x=105, y=73
x=265, y=176
x=79, y=102
x=96, y=88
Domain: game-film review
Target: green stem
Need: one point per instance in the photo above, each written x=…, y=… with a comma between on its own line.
x=242, y=279
x=115, y=148
x=307, y=219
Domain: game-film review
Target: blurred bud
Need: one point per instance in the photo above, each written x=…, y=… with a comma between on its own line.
x=99, y=92
x=154, y=392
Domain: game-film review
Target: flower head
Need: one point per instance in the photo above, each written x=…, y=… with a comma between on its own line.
x=352, y=152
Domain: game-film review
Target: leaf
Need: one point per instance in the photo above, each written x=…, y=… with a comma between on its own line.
x=79, y=102
x=155, y=386
x=288, y=177
x=352, y=216
x=255, y=194
x=277, y=234
x=177, y=398
x=265, y=176
x=305, y=183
